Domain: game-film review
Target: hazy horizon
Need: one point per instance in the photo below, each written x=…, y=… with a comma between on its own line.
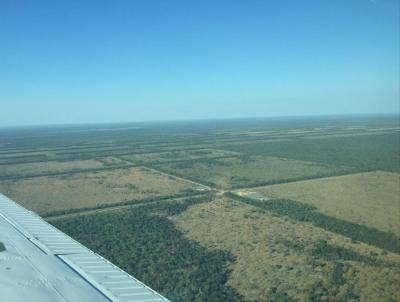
x=386, y=115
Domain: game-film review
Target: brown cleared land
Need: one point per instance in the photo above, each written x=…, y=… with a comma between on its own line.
x=371, y=199
x=24, y=169
x=276, y=256
x=79, y=190
x=177, y=155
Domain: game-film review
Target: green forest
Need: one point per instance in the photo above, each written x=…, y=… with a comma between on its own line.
x=363, y=152
x=144, y=242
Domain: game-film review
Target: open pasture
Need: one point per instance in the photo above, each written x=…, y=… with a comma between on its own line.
x=89, y=189
x=16, y=154
x=288, y=260
x=49, y=167
x=159, y=157
x=371, y=199
x=245, y=171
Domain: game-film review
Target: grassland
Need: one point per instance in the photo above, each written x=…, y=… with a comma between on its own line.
x=54, y=167
x=4, y=156
x=371, y=199
x=283, y=259
x=81, y=190
x=245, y=171
x=180, y=155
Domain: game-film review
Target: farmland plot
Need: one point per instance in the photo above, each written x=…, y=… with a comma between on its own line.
x=89, y=189
x=248, y=171
x=371, y=199
x=286, y=260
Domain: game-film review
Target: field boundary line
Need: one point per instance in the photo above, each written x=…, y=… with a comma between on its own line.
x=311, y=178
x=154, y=170
x=113, y=208
x=177, y=177
x=122, y=204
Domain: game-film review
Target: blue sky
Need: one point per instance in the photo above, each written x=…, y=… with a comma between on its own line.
x=112, y=61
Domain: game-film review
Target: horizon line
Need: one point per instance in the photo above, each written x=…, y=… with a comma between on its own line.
x=72, y=124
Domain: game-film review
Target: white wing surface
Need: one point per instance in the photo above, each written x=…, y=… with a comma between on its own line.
x=41, y=263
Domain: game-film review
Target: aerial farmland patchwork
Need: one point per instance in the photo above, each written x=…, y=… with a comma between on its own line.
x=296, y=209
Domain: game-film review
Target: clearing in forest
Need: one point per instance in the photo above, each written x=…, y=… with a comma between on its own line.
x=89, y=189
x=282, y=259
x=371, y=199
x=245, y=171
x=48, y=167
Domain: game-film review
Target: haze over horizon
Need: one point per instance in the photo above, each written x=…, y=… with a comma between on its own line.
x=132, y=61
x=138, y=124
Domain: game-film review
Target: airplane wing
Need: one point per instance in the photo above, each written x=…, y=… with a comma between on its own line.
x=40, y=263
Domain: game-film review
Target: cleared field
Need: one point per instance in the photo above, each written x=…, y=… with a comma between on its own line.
x=24, y=169
x=11, y=155
x=366, y=152
x=79, y=190
x=371, y=199
x=248, y=171
x=289, y=261
x=177, y=155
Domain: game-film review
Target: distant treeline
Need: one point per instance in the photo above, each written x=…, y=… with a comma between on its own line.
x=7, y=160
x=364, y=152
x=252, y=183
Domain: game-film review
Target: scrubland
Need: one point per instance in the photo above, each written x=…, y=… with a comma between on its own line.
x=302, y=209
